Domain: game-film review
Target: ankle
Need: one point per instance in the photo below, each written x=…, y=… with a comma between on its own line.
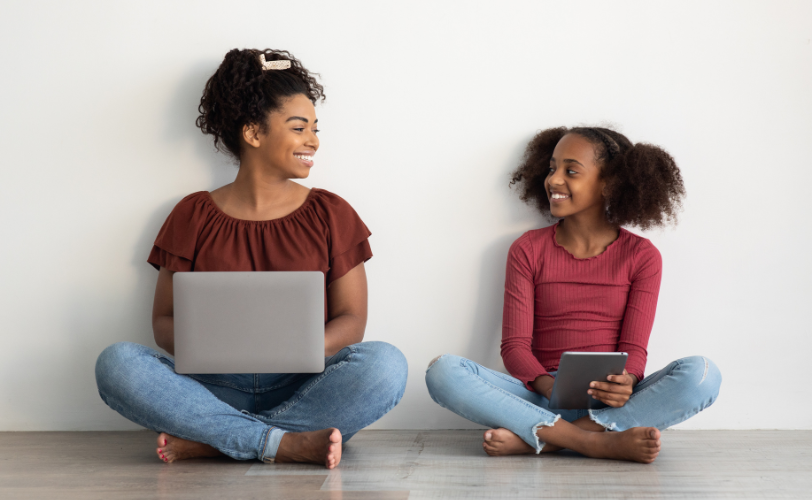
x=597, y=444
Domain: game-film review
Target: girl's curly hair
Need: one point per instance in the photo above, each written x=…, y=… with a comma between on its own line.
x=643, y=183
x=241, y=92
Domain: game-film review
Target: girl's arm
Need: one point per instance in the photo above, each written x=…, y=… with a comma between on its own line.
x=517, y=320
x=347, y=309
x=641, y=304
x=163, y=321
x=638, y=319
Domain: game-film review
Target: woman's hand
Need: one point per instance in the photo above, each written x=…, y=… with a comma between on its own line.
x=616, y=391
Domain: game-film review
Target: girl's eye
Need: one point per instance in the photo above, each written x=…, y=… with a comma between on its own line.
x=299, y=129
x=571, y=172
x=316, y=131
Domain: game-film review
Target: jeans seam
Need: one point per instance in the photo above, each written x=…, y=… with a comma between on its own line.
x=292, y=402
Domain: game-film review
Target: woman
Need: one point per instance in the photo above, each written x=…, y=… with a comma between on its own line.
x=259, y=106
x=583, y=284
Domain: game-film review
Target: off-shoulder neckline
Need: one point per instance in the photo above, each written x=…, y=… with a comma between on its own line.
x=308, y=200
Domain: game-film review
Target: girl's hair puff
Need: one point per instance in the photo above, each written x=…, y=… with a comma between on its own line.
x=644, y=186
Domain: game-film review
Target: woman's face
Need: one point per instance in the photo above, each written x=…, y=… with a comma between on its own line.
x=573, y=183
x=290, y=142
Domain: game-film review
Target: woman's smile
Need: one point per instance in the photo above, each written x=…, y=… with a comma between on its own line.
x=306, y=157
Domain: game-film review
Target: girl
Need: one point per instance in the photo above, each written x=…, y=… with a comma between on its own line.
x=259, y=107
x=583, y=284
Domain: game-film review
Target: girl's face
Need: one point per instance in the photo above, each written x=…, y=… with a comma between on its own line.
x=289, y=143
x=573, y=184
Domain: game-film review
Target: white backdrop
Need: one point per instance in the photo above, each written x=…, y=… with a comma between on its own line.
x=429, y=107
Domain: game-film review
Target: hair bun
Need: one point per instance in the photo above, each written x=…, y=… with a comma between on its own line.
x=241, y=92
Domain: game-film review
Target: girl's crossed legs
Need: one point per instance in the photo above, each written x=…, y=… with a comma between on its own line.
x=246, y=416
x=525, y=424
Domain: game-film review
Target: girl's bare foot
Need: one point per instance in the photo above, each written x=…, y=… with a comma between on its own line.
x=315, y=447
x=638, y=444
x=171, y=448
x=502, y=442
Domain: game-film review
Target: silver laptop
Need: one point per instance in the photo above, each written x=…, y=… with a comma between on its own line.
x=249, y=322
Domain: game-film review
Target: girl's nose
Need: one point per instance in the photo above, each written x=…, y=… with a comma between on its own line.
x=556, y=178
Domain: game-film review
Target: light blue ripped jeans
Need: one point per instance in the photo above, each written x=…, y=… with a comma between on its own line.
x=665, y=398
x=245, y=415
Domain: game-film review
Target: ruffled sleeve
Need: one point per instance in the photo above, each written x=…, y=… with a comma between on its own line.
x=174, y=248
x=347, y=238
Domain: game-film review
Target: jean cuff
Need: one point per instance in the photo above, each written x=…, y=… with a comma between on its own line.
x=539, y=444
x=272, y=440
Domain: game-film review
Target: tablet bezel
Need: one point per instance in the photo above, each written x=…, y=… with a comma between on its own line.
x=576, y=370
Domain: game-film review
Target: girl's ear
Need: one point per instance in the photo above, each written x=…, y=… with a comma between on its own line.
x=250, y=134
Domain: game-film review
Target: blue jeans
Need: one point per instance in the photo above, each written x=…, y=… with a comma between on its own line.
x=665, y=398
x=245, y=415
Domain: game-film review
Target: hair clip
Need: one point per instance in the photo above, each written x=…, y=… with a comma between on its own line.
x=283, y=64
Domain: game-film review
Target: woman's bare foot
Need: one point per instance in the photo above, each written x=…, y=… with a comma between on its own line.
x=171, y=448
x=638, y=444
x=502, y=442
x=315, y=447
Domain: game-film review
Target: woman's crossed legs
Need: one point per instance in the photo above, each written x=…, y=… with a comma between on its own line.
x=523, y=423
x=273, y=417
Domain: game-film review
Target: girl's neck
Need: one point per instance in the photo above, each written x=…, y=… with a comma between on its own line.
x=586, y=237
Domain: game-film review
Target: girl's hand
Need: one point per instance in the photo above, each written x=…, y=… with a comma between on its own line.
x=616, y=391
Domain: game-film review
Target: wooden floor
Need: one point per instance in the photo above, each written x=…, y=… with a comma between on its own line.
x=408, y=464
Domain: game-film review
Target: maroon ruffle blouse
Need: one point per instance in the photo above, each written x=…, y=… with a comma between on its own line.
x=324, y=234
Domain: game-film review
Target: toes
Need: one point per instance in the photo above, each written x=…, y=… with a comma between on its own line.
x=488, y=435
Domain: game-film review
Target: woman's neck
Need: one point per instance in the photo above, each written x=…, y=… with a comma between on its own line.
x=258, y=195
x=258, y=189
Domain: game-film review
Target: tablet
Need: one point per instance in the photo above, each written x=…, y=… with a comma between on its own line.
x=576, y=371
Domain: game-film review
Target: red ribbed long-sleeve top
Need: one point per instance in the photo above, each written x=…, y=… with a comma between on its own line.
x=555, y=302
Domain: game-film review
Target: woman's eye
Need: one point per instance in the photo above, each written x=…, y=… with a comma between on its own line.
x=571, y=172
x=316, y=131
x=299, y=129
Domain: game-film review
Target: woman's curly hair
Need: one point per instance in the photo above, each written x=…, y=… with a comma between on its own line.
x=643, y=183
x=240, y=92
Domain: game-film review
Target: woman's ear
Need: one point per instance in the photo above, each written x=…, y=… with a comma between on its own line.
x=250, y=134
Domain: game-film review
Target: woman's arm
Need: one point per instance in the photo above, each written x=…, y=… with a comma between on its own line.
x=347, y=307
x=163, y=321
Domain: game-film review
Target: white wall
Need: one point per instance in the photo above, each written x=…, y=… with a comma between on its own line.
x=429, y=107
